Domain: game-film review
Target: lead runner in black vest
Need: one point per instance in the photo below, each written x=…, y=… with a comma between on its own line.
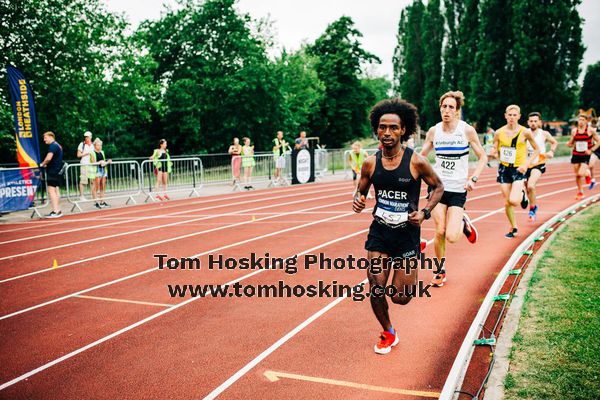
x=396, y=173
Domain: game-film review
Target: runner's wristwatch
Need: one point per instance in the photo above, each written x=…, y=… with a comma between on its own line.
x=474, y=179
x=426, y=213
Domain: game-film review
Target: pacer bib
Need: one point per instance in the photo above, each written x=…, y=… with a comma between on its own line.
x=392, y=207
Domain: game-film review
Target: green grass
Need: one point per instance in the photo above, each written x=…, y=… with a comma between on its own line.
x=556, y=350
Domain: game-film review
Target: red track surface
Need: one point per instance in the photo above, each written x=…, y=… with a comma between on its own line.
x=191, y=349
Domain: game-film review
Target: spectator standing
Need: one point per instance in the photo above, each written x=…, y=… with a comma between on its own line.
x=280, y=148
x=99, y=160
x=301, y=142
x=53, y=164
x=236, y=160
x=84, y=150
x=248, y=162
x=162, y=168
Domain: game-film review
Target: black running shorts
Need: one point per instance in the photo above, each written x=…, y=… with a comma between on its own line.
x=398, y=242
x=508, y=174
x=575, y=159
x=540, y=167
x=451, y=199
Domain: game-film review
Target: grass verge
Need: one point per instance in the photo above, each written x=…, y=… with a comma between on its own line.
x=556, y=350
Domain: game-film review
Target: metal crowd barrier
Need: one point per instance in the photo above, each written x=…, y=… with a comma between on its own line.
x=223, y=168
x=187, y=174
x=41, y=199
x=321, y=163
x=123, y=181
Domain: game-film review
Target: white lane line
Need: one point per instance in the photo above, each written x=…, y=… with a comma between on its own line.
x=192, y=220
x=211, y=199
x=249, y=365
x=151, y=317
x=145, y=303
x=242, y=371
x=178, y=213
x=161, y=226
x=176, y=203
x=186, y=236
x=196, y=255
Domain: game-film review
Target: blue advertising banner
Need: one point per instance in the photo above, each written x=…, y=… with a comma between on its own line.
x=17, y=188
x=21, y=98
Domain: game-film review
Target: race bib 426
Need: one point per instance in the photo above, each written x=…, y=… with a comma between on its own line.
x=508, y=154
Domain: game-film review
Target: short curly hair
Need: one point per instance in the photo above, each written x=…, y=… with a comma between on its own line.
x=407, y=112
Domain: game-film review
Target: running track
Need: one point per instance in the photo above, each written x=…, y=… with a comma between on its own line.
x=102, y=325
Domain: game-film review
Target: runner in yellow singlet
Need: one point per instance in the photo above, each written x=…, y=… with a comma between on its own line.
x=510, y=147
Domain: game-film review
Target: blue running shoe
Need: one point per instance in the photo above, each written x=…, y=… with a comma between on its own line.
x=532, y=213
x=592, y=184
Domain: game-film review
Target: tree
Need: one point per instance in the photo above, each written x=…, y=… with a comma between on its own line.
x=343, y=112
x=398, y=59
x=590, y=91
x=379, y=86
x=491, y=82
x=433, y=37
x=546, y=54
x=301, y=89
x=81, y=68
x=468, y=34
x=409, y=55
x=217, y=77
x=454, y=10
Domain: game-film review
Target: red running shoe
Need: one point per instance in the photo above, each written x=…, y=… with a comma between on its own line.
x=423, y=245
x=166, y=197
x=386, y=342
x=158, y=197
x=469, y=229
x=439, y=279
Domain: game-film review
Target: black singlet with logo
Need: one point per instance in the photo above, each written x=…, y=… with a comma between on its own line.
x=396, y=191
x=397, y=195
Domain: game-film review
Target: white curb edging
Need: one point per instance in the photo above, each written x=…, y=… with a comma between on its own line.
x=461, y=362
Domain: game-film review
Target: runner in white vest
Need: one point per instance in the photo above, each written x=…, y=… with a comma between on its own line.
x=451, y=140
x=538, y=165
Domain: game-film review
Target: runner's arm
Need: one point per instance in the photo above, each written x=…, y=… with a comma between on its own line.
x=553, y=144
x=364, y=183
x=426, y=172
x=571, y=141
x=494, y=152
x=428, y=144
x=536, y=150
x=478, y=149
x=595, y=139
